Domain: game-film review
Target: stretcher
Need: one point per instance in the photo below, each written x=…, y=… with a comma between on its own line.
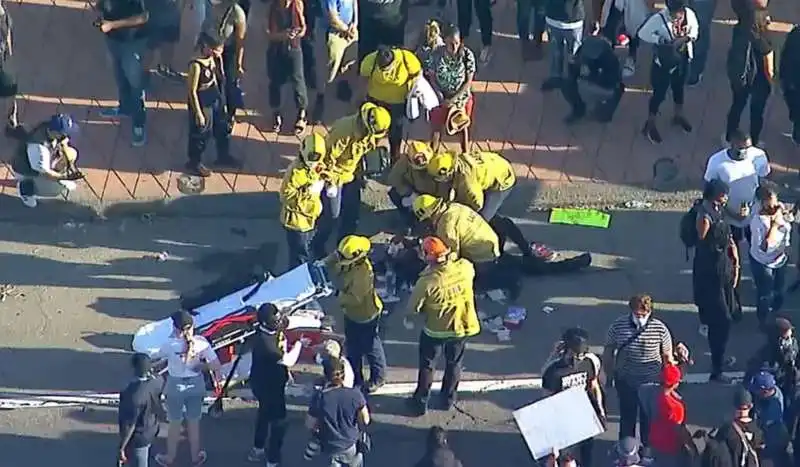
x=227, y=320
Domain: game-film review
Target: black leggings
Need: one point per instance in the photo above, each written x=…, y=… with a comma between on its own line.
x=757, y=93
x=718, y=334
x=663, y=80
x=483, y=10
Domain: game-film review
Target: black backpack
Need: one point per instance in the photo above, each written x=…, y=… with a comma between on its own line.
x=688, y=228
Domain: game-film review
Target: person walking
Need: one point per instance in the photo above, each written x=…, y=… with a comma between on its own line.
x=636, y=349
x=139, y=409
x=483, y=10
x=337, y=417
x=123, y=23
x=770, y=233
x=444, y=297
x=704, y=10
x=789, y=74
x=341, y=33
x=565, y=20
x=715, y=274
x=531, y=48
x=354, y=279
x=672, y=31
x=286, y=27
x=208, y=108
x=269, y=375
x=751, y=67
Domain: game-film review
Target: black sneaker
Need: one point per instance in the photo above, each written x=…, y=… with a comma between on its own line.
x=551, y=84
x=198, y=170
x=416, y=407
x=651, y=132
x=681, y=122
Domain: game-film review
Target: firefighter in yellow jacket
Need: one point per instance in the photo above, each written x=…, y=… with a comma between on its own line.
x=300, y=196
x=354, y=280
x=480, y=180
x=445, y=299
x=409, y=178
x=348, y=140
x=460, y=228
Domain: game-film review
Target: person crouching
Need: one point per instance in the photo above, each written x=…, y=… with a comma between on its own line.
x=596, y=72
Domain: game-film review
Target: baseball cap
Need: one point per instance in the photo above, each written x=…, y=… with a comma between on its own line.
x=182, y=319
x=742, y=397
x=763, y=381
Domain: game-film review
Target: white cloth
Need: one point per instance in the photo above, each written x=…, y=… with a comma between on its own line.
x=174, y=350
x=422, y=97
x=742, y=178
x=331, y=191
x=659, y=29
x=316, y=187
x=634, y=13
x=776, y=254
x=40, y=157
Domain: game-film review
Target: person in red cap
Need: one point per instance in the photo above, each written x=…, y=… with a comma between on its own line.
x=667, y=431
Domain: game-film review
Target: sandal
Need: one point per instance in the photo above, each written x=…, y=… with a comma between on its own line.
x=201, y=458
x=163, y=461
x=301, y=123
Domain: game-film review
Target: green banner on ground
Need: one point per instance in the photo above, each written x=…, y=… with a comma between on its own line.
x=584, y=217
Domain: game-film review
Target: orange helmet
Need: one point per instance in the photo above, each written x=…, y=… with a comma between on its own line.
x=434, y=248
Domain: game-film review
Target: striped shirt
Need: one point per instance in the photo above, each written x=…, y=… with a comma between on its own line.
x=641, y=360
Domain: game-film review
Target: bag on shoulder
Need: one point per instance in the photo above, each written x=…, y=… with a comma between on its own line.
x=375, y=163
x=688, y=227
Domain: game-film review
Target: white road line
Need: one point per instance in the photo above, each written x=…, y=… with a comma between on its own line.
x=12, y=401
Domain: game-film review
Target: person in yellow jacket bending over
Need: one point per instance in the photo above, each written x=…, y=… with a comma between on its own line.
x=409, y=178
x=481, y=180
x=348, y=140
x=445, y=299
x=354, y=280
x=460, y=228
x=300, y=196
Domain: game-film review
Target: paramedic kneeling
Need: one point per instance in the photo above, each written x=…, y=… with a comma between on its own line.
x=594, y=73
x=269, y=374
x=354, y=279
x=445, y=296
x=44, y=164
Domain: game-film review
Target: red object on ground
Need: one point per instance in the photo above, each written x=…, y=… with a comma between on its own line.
x=438, y=115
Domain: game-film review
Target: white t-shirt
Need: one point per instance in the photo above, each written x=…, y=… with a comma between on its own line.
x=40, y=157
x=776, y=255
x=741, y=177
x=174, y=351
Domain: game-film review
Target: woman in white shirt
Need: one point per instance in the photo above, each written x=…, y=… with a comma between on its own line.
x=769, y=251
x=188, y=357
x=672, y=32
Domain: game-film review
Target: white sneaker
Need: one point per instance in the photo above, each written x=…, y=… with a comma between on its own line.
x=628, y=67
x=255, y=455
x=486, y=54
x=70, y=185
x=29, y=201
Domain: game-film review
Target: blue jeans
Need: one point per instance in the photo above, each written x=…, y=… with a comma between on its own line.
x=525, y=10
x=769, y=288
x=363, y=340
x=348, y=458
x=704, y=9
x=138, y=457
x=299, y=244
x=492, y=200
x=129, y=76
x=185, y=398
x=563, y=44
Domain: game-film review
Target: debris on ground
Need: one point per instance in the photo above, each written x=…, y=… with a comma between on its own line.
x=637, y=204
x=9, y=291
x=163, y=256
x=496, y=295
x=548, y=309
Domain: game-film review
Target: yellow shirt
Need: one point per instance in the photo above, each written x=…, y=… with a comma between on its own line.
x=393, y=84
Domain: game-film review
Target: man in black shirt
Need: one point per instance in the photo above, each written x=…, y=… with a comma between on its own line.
x=742, y=436
x=122, y=21
x=595, y=71
x=139, y=404
x=269, y=374
x=381, y=22
x=576, y=367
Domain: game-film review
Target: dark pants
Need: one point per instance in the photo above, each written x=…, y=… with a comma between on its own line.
x=525, y=10
x=405, y=213
x=231, y=78
x=129, y=76
x=791, y=95
x=372, y=34
x=307, y=45
x=704, y=9
x=218, y=124
x=483, y=10
x=363, y=340
x=757, y=93
x=585, y=452
x=285, y=64
x=615, y=25
x=299, y=245
x=269, y=433
x=138, y=457
x=492, y=201
x=631, y=411
x=605, y=109
x=398, y=113
x=769, y=289
x=718, y=334
x=663, y=80
x=429, y=350
x=343, y=211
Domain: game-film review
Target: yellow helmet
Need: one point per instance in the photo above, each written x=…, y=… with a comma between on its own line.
x=419, y=154
x=425, y=206
x=353, y=247
x=375, y=118
x=312, y=150
x=442, y=166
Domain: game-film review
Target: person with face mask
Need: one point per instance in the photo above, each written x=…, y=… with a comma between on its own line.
x=576, y=367
x=481, y=180
x=778, y=356
x=459, y=227
x=637, y=347
x=354, y=279
x=769, y=412
x=269, y=375
x=301, y=198
x=409, y=178
x=714, y=274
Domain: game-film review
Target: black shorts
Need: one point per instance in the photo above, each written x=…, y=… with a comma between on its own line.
x=161, y=35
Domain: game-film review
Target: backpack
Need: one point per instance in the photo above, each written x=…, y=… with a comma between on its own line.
x=688, y=228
